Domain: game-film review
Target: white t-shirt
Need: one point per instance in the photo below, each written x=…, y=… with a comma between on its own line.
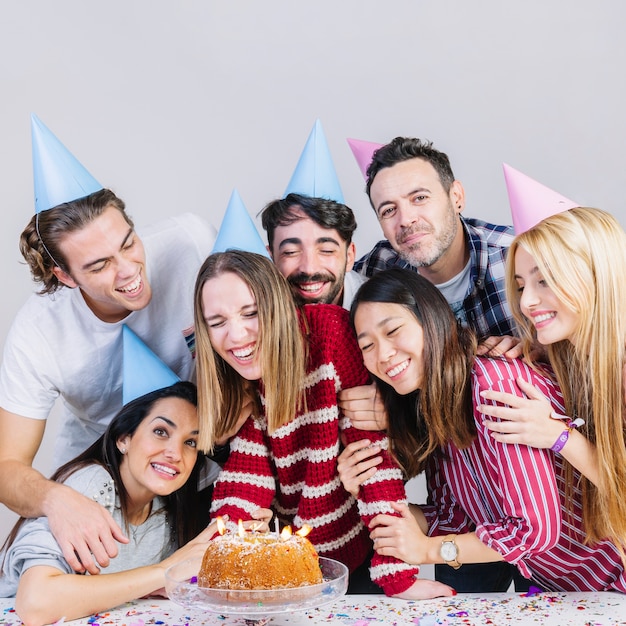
x=57, y=347
x=455, y=290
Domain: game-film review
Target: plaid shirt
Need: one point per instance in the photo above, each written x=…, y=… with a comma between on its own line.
x=485, y=306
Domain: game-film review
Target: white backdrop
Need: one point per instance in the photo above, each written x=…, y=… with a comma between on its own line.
x=174, y=104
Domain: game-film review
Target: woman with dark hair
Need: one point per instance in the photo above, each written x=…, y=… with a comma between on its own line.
x=491, y=501
x=143, y=470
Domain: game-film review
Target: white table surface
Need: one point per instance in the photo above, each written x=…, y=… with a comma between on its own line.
x=497, y=609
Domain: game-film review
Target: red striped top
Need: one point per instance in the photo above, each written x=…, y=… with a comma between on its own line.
x=294, y=470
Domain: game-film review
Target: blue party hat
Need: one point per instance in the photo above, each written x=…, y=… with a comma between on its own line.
x=58, y=176
x=238, y=230
x=143, y=370
x=315, y=174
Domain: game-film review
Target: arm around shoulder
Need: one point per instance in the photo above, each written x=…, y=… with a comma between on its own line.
x=46, y=594
x=81, y=527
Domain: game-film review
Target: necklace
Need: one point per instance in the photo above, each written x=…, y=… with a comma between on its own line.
x=134, y=532
x=144, y=526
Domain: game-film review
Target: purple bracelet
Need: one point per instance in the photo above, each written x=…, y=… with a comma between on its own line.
x=559, y=444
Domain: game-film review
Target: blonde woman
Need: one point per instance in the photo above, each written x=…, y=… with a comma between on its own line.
x=252, y=342
x=565, y=286
x=489, y=501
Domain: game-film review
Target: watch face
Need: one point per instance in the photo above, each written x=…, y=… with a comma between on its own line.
x=448, y=551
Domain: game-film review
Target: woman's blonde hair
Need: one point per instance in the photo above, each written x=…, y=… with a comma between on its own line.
x=221, y=390
x=581, y=254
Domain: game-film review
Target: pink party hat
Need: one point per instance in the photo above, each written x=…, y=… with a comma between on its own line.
x=238, y=230
x=57, y=174
x=144, y=371
x=363, y=152
x=315, y=174
x=531, y=201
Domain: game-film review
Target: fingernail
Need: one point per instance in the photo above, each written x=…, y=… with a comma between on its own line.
x=454, y=592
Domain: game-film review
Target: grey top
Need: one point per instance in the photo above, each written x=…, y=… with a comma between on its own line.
x=34, y=545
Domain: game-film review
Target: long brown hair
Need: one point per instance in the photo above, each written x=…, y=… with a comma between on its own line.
x=221, y=390
x=441, y=411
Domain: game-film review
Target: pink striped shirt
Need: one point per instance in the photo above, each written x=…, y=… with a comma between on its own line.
x=513, y=497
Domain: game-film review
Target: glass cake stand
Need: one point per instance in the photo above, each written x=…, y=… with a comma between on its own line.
x=256, y=608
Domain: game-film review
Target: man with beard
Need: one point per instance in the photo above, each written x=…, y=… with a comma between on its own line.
x=418, y=203
x=310, y=241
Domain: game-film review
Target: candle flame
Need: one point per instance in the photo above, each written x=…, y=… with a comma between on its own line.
x=285, y=533
x=304, y=531
x=221, y=526
x=242, y=530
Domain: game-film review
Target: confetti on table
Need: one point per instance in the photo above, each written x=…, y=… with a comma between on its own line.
x=532, y=591
x=512, y=609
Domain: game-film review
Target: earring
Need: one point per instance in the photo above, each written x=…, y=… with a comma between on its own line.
x=123, y=450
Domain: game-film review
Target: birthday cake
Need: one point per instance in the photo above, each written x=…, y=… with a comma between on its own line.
x=259, y=561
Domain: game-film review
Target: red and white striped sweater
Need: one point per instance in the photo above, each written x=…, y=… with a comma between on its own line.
x=295, y=469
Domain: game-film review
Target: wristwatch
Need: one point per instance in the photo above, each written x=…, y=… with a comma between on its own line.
x=449, y=551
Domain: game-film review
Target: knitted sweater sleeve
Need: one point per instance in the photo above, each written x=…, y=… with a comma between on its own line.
x=387, y=484
x=247, y=480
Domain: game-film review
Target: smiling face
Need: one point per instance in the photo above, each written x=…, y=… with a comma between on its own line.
x=107, y=262
x=418, y=217
x=313, y=259
x=552, y=319
x=161, y=453
x=392, y=342
x=230, y=313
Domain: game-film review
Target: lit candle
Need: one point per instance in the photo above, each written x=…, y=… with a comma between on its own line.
x=221, y=526
x=286, y=533
x=276, y=527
